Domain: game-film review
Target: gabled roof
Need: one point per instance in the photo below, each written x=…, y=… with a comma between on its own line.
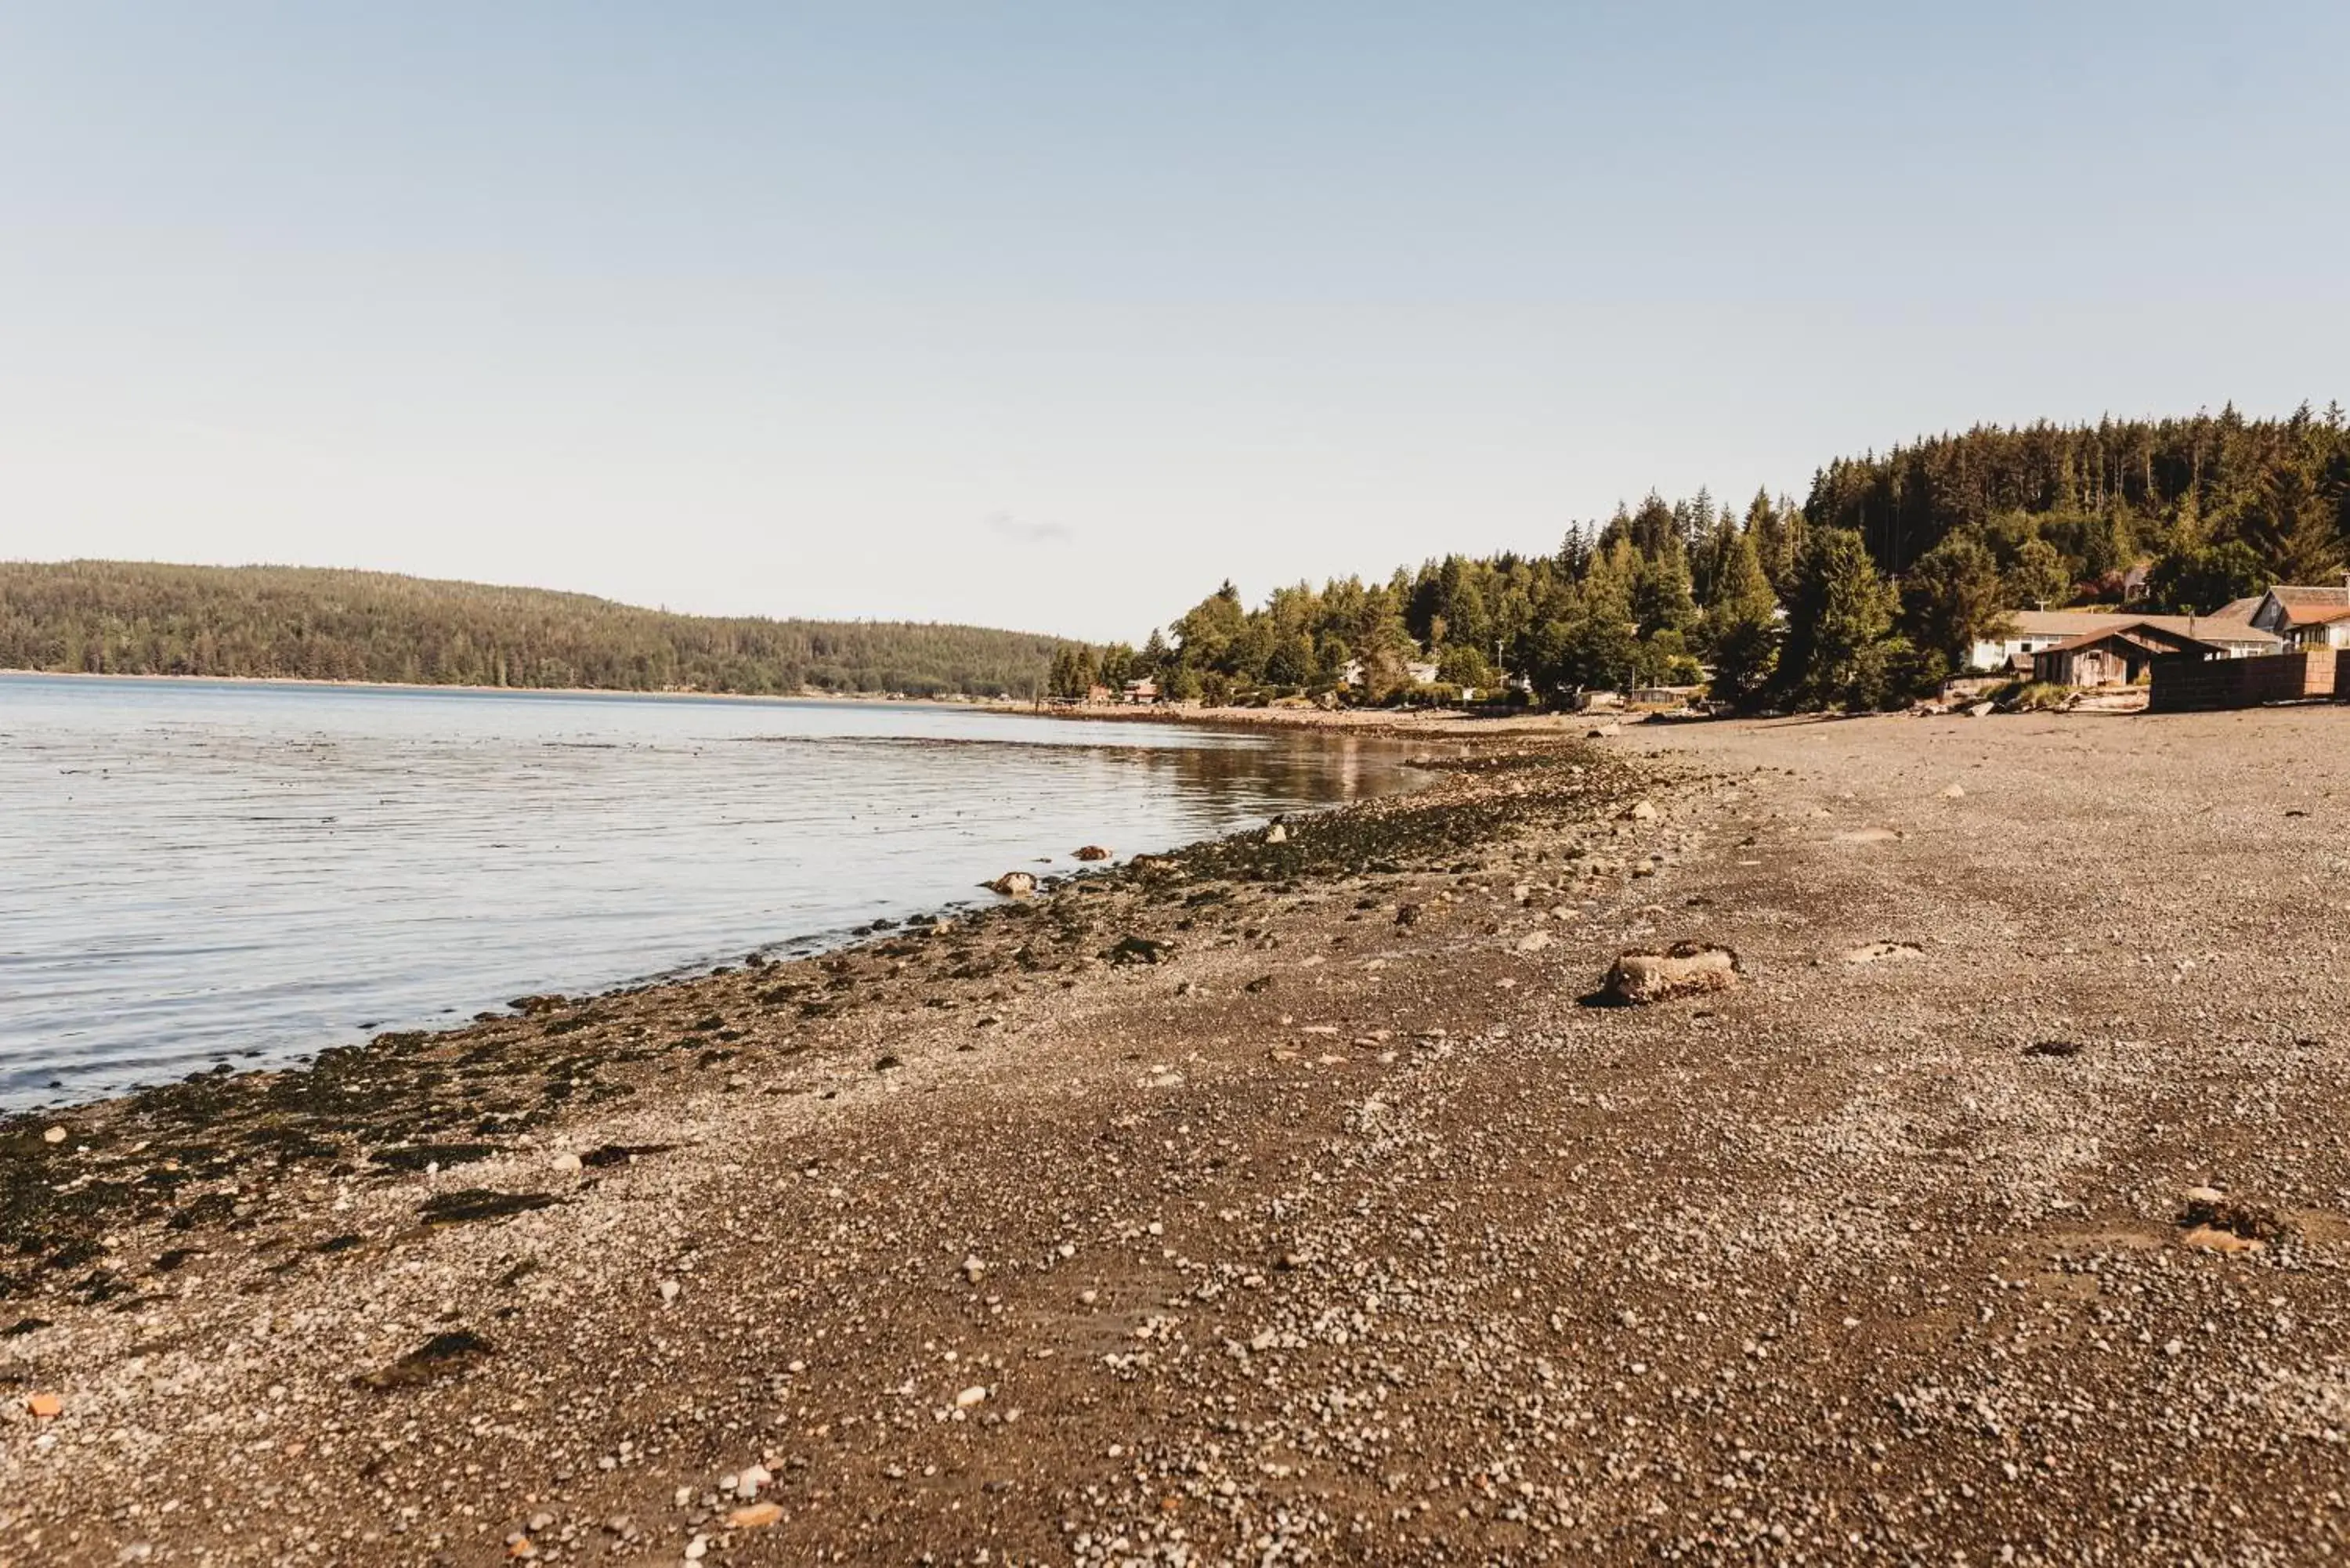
x=2220, y=628
x=2144, y=633
x=2308, y=604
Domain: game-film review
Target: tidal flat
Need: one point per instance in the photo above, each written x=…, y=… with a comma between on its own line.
x=1281, y=1196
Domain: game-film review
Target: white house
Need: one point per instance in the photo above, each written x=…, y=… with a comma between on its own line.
x=2039, y=629
x=2306, y=616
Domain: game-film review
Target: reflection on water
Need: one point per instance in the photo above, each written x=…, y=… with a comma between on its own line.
x=193, y=871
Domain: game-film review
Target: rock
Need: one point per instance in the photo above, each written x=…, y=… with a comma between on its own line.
x=2211, y=1239
x=1407, y=915
x=749, y=1484
x=2210, y=1210
x=1980, y=710
x=565, y=1161
x=1137, y=949
x=669, y=1291
x=1640, y=811
x=887, y=1062
x=1685, y=969
x=758, y=1516
x=971, y=1396
x=1093, y=852
x=1878, y=952
x=699, y=1547
x=1012, y=885
x=1278, y=833
x=2053, y=1048
x=54, y=1135
x=45, y=1407
x=1533, y=941
x=973, y=1270
x=1956, y=792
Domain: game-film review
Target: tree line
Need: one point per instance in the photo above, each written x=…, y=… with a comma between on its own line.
x=136, y=618
x=1873, y=590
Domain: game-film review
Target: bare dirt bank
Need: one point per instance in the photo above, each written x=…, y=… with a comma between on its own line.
x=1340, y=1231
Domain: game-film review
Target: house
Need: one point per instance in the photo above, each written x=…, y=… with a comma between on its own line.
x=1419, y=674
x=2306, y=616
x=1143, y=690
x=2035, y=631
x=2117, y=654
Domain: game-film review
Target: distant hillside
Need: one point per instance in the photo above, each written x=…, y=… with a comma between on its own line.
x=121, y=617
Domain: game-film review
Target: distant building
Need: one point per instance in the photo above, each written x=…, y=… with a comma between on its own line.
x=2306, y=616
x=1419, y=674
x=2117, y=654
x=1143, y=690
x=2235, y=637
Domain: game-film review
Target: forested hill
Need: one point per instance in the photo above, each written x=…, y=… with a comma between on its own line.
x=134, y=618
x=1873, y=587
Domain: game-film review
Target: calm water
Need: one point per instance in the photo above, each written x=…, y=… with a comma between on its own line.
x=193, y=871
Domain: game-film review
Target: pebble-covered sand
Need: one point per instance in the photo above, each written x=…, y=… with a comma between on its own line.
x=1281, y=1201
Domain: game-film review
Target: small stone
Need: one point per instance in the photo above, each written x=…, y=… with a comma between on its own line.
x=697, y=1549
x=973, y=1396
x=1641, y=811
x=669, y=1290
x=54, y=1135
x=541, y=1522
x=1956, y=792
x=1533, y=941
x=565, y=1161
x=45, y=1407
x=758, y=1516
x=973, y=1270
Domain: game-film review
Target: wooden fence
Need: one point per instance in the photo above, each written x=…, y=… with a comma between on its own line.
x=2183, y=683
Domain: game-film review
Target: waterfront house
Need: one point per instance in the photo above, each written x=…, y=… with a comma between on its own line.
x=2306, y=614
x=2034, y=632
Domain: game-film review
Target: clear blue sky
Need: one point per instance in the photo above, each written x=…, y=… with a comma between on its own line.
x=1054, y=315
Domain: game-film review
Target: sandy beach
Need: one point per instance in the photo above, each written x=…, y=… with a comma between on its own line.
x=1281, y=1201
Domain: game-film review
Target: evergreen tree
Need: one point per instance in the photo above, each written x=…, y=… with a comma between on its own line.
x=1953, y=598
x=1841, y=609
x=2038, y=579
x=2202, y=578
x=1743, y=628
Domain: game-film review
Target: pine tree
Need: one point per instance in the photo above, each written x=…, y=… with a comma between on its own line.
x=1841, y=609
x=1953, y=598
x=1741, y=626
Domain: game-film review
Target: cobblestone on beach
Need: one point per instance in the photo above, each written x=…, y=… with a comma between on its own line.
x=1283, y=1201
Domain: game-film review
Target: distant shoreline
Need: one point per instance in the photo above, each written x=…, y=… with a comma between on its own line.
x=959, y=699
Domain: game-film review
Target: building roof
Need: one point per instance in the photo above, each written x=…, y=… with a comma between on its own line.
x=2313, y=594
x=2240, y=609
x=2221, y=628
x=2307, y=604
x=2144, y=630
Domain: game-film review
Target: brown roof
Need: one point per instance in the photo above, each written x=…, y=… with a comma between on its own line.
x=2313, y=594
x=2143, y=631
x=2226, y=628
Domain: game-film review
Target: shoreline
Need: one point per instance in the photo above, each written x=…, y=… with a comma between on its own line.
x=957, y=700
x=1285, y=1197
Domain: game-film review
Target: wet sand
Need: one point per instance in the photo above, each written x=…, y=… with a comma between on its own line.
x=1278, y=1202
